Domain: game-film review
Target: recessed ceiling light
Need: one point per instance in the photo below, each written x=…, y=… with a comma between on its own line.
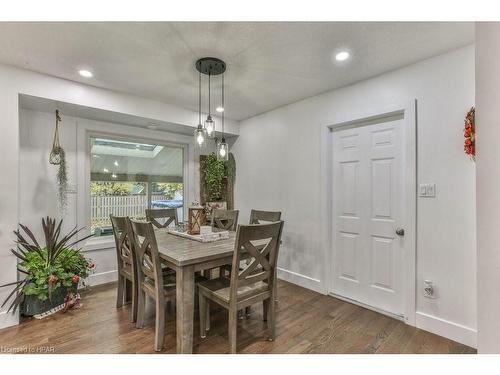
x=85, y=73
x=116, y=163
x=342, y=56
x=219, y=109
x=105, y=170
x=152, y=126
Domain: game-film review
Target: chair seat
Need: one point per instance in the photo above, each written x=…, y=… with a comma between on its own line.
x=220, y=287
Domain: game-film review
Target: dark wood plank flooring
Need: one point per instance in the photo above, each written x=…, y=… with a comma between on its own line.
x=307, y=322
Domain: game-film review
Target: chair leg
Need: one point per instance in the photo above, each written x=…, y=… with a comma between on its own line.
x=119, y=296
x=271, y=317
x=265, y=308
x=133, y=317
x=248, y=311
x=207, y=324
x=141, y=306
x=159, y=324
x=233, y=322
x=203, y=314
x=127, y=292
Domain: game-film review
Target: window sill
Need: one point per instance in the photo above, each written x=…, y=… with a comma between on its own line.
x=99, y=243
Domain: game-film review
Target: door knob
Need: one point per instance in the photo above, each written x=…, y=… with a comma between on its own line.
x=400, y=231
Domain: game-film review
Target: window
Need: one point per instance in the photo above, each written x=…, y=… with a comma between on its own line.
x=126, y=177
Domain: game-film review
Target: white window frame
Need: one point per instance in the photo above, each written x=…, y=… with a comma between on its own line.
x=87, y=129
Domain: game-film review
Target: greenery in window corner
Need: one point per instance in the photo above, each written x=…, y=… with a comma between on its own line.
x=46, y=268
x=214, y=173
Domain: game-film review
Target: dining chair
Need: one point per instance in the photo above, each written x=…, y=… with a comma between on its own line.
x=254, y=282
x=127, y=269
x=152, y=281
x=258, y=217
x=169, y=214
x=225, y=219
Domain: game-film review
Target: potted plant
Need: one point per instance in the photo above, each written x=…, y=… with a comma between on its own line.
x=52, y=272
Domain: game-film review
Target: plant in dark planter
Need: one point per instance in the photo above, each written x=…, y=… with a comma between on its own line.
x=52, y=272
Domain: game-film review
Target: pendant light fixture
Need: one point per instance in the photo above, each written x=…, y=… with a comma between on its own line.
x=200, y=132
x=222, y=147
x=210, y=66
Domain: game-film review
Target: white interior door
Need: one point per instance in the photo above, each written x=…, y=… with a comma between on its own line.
x=368, y=209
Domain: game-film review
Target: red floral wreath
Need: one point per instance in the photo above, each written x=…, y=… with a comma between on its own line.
x=470, y=134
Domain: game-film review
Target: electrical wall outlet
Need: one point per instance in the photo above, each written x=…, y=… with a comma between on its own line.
x=429, y=290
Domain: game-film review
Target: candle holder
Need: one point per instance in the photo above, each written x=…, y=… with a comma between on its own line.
x=196, y=218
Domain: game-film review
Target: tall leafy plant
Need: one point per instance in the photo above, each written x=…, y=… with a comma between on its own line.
x=214, y=173
x=46, y=267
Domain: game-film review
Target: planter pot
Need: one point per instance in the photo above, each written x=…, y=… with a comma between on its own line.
x=34, y=306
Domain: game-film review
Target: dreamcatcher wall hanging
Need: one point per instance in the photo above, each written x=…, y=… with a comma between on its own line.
x=58, y=157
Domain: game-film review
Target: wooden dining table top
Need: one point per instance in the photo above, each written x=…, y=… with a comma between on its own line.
x=183, y=251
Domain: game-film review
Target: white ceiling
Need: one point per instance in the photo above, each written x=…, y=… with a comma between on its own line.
x=270, y=64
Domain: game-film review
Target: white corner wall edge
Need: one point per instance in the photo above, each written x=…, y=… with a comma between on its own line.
x=453, y=331
x=301, y=280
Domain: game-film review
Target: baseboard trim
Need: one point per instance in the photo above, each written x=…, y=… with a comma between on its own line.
x=453, y=331
x=300, y=280
x=8, y=319
x=102, y=278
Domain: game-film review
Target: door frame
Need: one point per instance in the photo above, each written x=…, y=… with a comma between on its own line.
x=408, y=111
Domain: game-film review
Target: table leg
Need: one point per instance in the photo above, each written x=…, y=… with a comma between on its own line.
x=185, y=309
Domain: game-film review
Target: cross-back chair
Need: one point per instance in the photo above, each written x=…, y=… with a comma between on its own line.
x=254, y=282
x=127, y=269
x=259, y=217
x=151, y=280
x=169, y=214
x=225, y=219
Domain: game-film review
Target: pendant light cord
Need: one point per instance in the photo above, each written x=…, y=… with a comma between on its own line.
x=199, y=98
x=209, y=92
x=223, y=107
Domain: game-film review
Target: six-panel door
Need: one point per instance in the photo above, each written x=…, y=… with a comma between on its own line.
x=368, y=207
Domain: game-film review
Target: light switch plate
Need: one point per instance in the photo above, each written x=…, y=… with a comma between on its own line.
x=427, y=190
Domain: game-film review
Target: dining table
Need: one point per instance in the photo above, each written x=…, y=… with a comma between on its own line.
x=187, y=256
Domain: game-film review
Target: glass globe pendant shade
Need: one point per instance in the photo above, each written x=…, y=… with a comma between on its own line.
x=199, y=136
x=210, y=126
x=222, y=150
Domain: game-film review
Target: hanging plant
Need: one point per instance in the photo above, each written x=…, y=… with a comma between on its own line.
x=58, y=157
x=214, y=173
x=470, y=134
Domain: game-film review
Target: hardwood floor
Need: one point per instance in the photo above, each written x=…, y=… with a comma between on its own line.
x=307, y=322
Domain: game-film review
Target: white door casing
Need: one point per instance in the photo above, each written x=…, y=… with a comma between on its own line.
x=368, y=205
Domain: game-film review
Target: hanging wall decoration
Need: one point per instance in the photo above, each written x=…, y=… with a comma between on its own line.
x=58, y=157
x=470, y=134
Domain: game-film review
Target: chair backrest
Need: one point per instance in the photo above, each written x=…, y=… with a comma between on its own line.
x=261, y=244
x=146, y=250
x=257, y=217
x=169, y=214
x=123, y=242
x=225, y=219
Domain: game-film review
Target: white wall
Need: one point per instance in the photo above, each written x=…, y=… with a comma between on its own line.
x=488, y=185
x=13, y=82
x=278, y=156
